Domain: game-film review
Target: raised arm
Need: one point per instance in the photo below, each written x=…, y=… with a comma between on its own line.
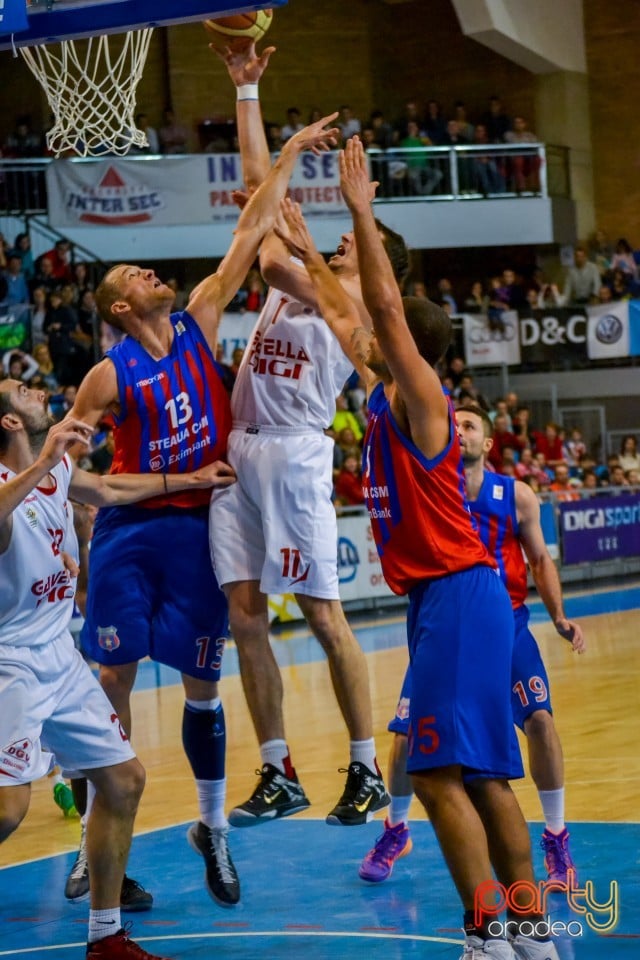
x=212, y=295
x=336, y=307
x=543, y=569
x=417, y=400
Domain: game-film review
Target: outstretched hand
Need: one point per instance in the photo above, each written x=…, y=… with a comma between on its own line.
x=315, y=137
x=291, y=228
x=61, y=437
x=245, y=65
x=573, y=633
x=358, y=191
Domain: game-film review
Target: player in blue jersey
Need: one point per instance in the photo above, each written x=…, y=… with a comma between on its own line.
x=462, y=745
x=507, y=513
x=151, y=590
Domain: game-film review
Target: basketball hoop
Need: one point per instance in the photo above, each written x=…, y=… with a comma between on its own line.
x=91, y=90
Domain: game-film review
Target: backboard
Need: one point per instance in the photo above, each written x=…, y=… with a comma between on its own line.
x=53, y=20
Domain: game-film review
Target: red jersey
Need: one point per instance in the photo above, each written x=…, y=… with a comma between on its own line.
x=174, y=414
x=419, y=515
x=495, y=514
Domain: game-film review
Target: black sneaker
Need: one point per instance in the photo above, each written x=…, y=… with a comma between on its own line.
x=133, y=897
x=77, y=886
x=276, y=795
x=221, y=879
x=364, y=793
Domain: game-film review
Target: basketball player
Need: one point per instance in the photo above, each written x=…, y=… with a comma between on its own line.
x=462, y=747
x=507, y=515
x=279, y=534
x=152, y=590
x=47, y=692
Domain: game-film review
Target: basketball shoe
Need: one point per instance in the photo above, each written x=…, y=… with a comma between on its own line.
x=557, y=857
x=394, y=843
x=133, y=897
x=221, y=879
x=526, y=948
x=119, y=947
x=364, y=793
x=475, y=948
x=275, y=795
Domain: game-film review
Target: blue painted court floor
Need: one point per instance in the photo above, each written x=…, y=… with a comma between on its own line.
x=302, y=898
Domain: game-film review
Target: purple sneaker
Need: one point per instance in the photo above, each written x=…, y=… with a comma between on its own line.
x=557, y=858
x=394, y=843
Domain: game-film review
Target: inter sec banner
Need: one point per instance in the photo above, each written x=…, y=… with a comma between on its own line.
x=601, y=528
x=174, y=191
x=487, y=344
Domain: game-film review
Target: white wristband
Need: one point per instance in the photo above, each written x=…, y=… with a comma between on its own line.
x=248, y=91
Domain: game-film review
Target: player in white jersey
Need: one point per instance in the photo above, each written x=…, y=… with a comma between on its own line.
x=277, y=532
x=47, y=692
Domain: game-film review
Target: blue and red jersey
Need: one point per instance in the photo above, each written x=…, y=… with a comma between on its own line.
x=419, y=516
x=174, y=413
x=494, y=512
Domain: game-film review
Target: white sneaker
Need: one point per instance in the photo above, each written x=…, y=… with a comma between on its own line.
x=526, y=948
x=475, y=948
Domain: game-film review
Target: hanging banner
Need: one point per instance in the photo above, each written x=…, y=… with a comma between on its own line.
x=15, y=327
x=174, y=191
x=554, y=337
x=600, y=529
x=488, y=345
x=614, y=330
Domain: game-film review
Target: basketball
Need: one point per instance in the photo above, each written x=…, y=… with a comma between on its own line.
x=240, y=29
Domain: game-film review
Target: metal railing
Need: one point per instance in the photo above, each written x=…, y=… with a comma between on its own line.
x=416, y=173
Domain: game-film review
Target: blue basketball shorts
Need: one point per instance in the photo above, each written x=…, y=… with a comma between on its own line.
x=461, y=632
x=152, y=592
x=529, y=681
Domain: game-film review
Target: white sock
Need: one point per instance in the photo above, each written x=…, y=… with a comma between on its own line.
x=399, y=810
x=211, y=799
x=364, y=751
x=91, y=795
x=203, y=705
x=274, y=752
x=553, y=809
x=103, y=923
x=57, y=778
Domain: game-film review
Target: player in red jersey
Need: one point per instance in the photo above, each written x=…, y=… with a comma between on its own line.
x=507, y=514
x=152, y=590
x=462, y=747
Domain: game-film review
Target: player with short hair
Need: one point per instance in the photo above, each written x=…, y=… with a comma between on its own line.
x=278, y=533
x=152, y=590
x=48, y=695
x=507, y=514
x=462, y=745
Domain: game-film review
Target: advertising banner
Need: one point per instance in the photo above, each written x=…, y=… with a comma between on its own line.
x=174, y=191
x=554, y=337
x=485, y=346
x=600, y=529
x=614, y=330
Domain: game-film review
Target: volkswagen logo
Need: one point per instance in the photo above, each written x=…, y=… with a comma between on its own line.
x=608, y=328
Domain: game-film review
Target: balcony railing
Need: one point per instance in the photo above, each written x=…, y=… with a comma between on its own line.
x=417, y=173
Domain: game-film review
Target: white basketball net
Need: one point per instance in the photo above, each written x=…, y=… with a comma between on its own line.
x=92, y=92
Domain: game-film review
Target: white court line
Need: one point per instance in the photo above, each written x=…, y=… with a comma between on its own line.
x=249, y=933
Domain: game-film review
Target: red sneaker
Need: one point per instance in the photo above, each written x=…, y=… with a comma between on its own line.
x=119, y=947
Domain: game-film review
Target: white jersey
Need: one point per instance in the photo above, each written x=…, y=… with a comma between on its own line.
x=36, y=590
x=292, y=370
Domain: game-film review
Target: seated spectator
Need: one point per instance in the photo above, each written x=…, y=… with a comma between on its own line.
x=45, y=372
x=467, y=386
x=19, y=365
x=487, y=174
x=17, y=286
x=548, y=296
x=532, y=482
x=582, y=281
x=39, y=307
x=382, y=130
x=435, y=125
x=423, y=176
x=274, y=137
x=445, y=293
x=590, y=480
x=524, y=169
x=620, y=283
x=347, y=445
x=411, y=114
x=550, y=443
x=478, y=300
x=60, y=257
x=496, y=121
x=81, y=281
x=520, y=424
x=60, y=326
x=623, y=259
x=632, y=477
x=419, y=290
x=466, y=128
x=23, y=143
x=44, y=275
x=22, y=249
x=502, y=437
x=500, y=409
x=509, y=461
x=605, y=294
x=255, y=292
x=575, y=448
x=173, y=136
x=629, y=458
x=348, y=123
x=346, y=418
x=142, y=123
x=293, y=124
x=542, y=471
x=526, y=465
x=455, y=138
x=348, y=483
x=617, y=476
x=600, y=251
x=562, y=485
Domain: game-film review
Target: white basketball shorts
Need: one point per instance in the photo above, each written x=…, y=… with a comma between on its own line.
x=277, y=524
x=49, y=696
